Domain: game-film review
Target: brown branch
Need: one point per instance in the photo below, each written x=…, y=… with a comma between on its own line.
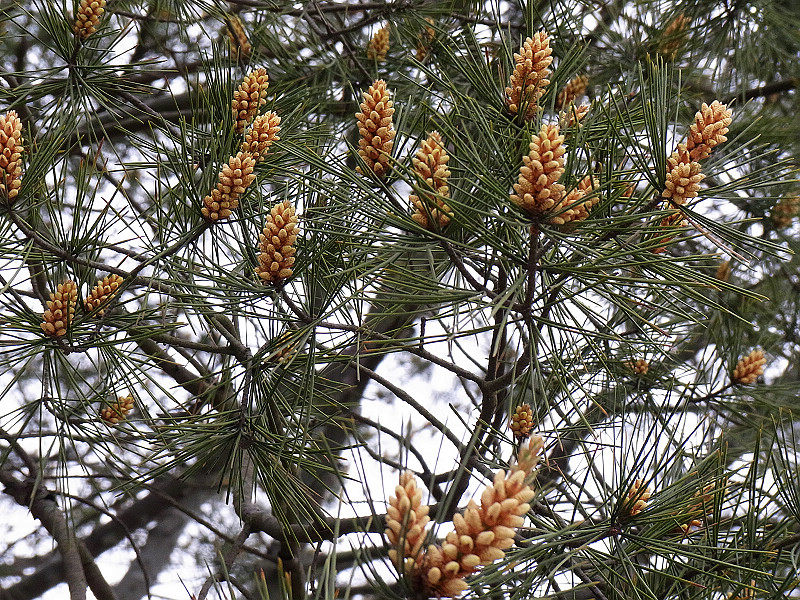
x=227, y=559
x=766, y=90
x=51, y=570
x=43, y=507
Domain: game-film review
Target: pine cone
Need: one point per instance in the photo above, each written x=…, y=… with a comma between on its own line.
x=117, y=411
x=277, y=244
x=683, y=177
x=572, y=91
x=101, y=293
x=376, y=129
x=430, y=165
x=406, y=522
x=708, y=130
x=573, y=208
x=785, y=211
x=262, y=134
x=529, y=78
x=60, y=309
x=234, y=179
x=379, y=44
x=482, y=532
x=636, y=498
x=537, y=191
x=749, y=368
x=522, y=421
x=674, y=37
x=238, y=42
x=88, y=17
x=11, y=150
x=250, y=96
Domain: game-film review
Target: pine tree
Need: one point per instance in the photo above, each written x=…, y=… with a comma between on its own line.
x=399, y=299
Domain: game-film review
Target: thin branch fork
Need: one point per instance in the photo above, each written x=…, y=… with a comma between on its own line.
x=371, y=334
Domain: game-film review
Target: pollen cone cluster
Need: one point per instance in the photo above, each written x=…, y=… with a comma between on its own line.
x=101, y=293
x=690, y=526
x=379, y=44
x=425, y=39
x=406, y=520
x=724, y=270
x=572, y=91
x=703, y=500
x=237, y=38
x=430, y=165
x=699, y=507
x=639, y=366
x=88, y=17
x=708, y=130
x=117, y=411
x=784, y=211
x=674, y=219
x=233, y=181
x=376, y=129
x=11, y=150
x=60, y=309
x=573, y=208
x=674, y=37
x=683, y=177
x=529, y=78
x=261, y=135
x=285, y=348
x=276, y=243
x=250, y=96
x=573, y=115
x=746, y=593
x=636, y=498
x=749, y=368
x=522, y=421
x=537, y=191
x=482, y=532
x=683, y=167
